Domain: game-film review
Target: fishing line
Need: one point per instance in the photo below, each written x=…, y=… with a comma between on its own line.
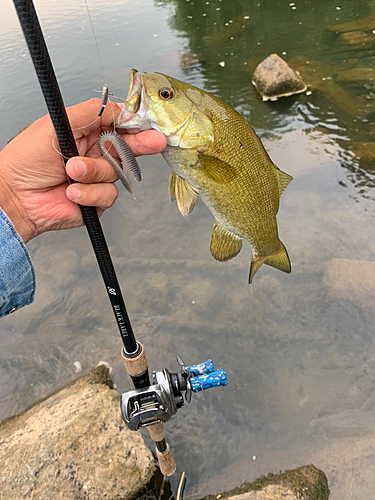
x=96, y=42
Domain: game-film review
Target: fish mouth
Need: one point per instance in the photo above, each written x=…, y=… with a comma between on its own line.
x=133, y=99
x=133, y=112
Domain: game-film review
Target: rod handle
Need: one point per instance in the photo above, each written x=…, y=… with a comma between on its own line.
x=208, y=380
x=135, y=366
x=166, y=462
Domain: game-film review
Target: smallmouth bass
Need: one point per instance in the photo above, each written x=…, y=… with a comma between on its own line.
x=215, y=155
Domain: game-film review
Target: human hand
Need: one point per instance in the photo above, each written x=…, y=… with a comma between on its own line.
x=34, y=189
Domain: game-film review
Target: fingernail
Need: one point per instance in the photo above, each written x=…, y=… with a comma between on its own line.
x=80, y=168
x=73, y=193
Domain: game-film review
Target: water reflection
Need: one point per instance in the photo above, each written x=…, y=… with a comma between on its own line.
x=316, y=38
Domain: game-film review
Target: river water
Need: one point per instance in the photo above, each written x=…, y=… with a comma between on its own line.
x=298, y=349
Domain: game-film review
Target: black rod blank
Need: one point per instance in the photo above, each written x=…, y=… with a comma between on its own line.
x=55, y=104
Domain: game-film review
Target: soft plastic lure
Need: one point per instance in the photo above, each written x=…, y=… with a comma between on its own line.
x=128, y=162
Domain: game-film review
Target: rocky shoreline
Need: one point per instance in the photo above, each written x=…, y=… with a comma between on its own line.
x=73, y=445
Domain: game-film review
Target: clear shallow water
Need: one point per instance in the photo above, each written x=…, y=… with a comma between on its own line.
x=299, y=349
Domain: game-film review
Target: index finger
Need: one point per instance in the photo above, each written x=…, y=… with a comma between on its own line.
x=84, y=119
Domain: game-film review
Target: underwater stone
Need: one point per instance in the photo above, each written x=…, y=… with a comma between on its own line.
x=351, y=280
x=273, y=78
x=357, y=75
x=320, y=76
x=364, y=151
x=366, y=24
x=357, y=39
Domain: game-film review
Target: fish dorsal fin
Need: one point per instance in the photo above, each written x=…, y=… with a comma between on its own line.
x=224, y=244
x=187, y=197
x=217, y=170
x=283, y=180
x=172, y=186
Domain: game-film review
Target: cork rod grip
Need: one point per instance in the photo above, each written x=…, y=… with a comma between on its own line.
x=166, y=462
x=135, y=366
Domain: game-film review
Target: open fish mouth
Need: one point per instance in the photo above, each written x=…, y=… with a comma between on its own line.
x=133, y=113
x=133, y=99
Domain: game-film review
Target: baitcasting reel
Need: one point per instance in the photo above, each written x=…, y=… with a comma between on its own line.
x=158, y=402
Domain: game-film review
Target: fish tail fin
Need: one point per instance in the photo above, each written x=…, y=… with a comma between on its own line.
x=255, y=264
x=279, y=259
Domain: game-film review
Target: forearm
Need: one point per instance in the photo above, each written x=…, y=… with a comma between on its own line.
x=17, y=275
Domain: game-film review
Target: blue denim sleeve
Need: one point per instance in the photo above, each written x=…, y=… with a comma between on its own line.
x=17, y=274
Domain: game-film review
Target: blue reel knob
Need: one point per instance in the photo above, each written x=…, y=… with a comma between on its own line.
x=201, y=368
x=208, y=380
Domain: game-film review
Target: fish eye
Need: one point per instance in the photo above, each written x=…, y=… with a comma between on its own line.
x=166, y=93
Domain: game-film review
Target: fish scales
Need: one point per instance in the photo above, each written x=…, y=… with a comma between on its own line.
x=215, y=155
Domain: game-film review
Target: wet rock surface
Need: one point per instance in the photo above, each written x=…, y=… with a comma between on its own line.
x=73, y=445
x=304, y=483
x=273, y=78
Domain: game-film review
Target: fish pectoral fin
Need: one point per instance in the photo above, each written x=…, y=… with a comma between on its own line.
x=279, y=259
x=217, y=170
x=224, y=244
x=172, y=186
x=187, y=197
x=283, y=180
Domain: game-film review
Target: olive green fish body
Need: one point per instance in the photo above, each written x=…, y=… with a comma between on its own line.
x=215, y=155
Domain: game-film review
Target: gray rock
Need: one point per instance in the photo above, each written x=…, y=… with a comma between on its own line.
x=54, y=449
x=273, y=78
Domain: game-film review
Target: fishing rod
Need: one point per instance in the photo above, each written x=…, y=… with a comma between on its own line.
x=148, y=405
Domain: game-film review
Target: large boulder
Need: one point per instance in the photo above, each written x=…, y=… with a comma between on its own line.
x=273, y=78
x=73, y=445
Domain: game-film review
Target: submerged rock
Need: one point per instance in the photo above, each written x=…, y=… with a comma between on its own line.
x=364, y=151
x=358, y=39
x=319, y=76
x=273, y=78
x=352, y=280
x=357, y=75
x=367, y=24
x=304, y=483
x=73, y=445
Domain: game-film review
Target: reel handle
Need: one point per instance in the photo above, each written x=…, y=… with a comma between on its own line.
x=201, y=368
x=208, y=380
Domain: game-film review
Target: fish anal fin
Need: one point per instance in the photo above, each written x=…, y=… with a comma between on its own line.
x=279, y=259
x=172, y=186
x=187, y=197
x=283, y=180
x=255, y=264
x=224, y=244
x=217, y=170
